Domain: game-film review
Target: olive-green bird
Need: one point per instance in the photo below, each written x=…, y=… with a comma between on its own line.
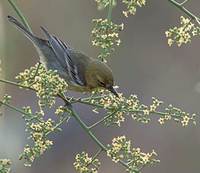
x=82, y=73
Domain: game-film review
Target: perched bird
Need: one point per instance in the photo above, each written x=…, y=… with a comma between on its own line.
x=82, y=73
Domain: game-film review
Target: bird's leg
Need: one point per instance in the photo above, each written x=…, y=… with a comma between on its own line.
x=68, y=104
x=66, y=100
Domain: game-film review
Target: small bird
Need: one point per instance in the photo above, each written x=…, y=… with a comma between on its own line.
x=82, y=73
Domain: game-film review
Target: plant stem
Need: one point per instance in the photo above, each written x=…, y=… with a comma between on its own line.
x=96, y=155
x=15, y=84
x=83, y=101
x=14, y=108
x=184, y=2
x=110, y=10
x=90, y=133
x=87, y=130
x=28, y=87
x=36, y=72
x=24, y=113
x=59, y=124
x=19, y=13
x=20, y=111
x=104, y=118
x=186, y=11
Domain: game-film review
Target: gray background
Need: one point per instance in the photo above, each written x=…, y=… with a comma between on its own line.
x=143, y=65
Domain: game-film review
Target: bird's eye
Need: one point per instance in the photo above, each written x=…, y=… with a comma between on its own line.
x=101, y=83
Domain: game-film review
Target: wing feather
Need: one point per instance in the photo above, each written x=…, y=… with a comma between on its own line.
x=62, y=51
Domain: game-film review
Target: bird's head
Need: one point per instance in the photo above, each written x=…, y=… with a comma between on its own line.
x=99, y=75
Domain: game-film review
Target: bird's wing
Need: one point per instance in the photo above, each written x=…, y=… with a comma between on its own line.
x=65, y=59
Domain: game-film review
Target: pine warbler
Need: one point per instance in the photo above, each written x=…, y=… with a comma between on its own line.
x=82, y=73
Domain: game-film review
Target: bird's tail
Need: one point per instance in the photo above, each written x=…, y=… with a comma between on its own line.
x=23, y=29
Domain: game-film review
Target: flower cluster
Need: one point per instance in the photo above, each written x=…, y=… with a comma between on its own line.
x=38, y=129
x=143, y=113
x=132, y=157
x=177, y=115
x=183, y=34
x=104, y=3
x=105, y=35
x=86, y=164
x=132, y=6
x=119, y=149
x=59, y=110
x=6, y=99
x=115, y=106
x=5, y=165
x=46, y=83
x=118, y=108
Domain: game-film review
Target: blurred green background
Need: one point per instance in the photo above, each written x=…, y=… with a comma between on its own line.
x=143, y=65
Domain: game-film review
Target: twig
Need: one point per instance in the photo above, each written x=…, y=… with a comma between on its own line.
x=83, y=101
x=29, y=87
x=104, y=118
x=59, y=124
x=14, y=108
x=86, y=102
x=87, y=130
x=90, y=133
x=95, y=156
x=15, y=84
x=109, y=16
x=36, y=72
x=186, y=11
x=19, y=13
x=184, y=2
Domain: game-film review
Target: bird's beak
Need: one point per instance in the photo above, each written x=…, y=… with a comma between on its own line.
x=112, y=90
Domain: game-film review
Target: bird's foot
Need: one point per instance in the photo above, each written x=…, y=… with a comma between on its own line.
x=68, y=104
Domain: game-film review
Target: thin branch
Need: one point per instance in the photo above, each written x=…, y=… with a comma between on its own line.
x=104, y=118
x=15, y=84
x=65, y=119
x=184, y=2
x=186, y=11
x=87, y=99
x=19, y=13
x=87, y=130
x=90, y=133
x=109, y=16
x=83, y=100
x=14, y=108
x=96, y=155
x=36, y=72
x=29, y=87
x=20, y=111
